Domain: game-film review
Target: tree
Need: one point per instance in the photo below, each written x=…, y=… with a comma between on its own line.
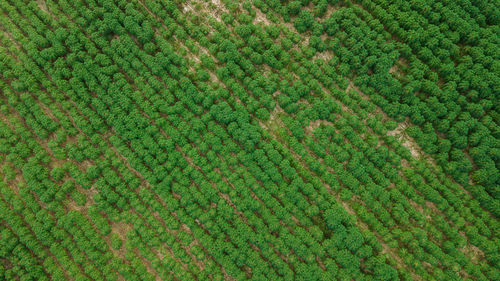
x=304, y=21
x=116, y=242
x=316, y=43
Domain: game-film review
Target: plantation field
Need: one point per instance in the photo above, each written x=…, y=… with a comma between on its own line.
x=249, y=140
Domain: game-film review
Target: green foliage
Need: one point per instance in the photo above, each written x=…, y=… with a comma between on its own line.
x=263, y=140
x=116, y=242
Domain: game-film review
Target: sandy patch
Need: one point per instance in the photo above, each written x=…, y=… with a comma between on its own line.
x=260, y=18
x=42, y=5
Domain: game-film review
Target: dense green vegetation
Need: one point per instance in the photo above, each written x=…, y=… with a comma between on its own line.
x=256, y=139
